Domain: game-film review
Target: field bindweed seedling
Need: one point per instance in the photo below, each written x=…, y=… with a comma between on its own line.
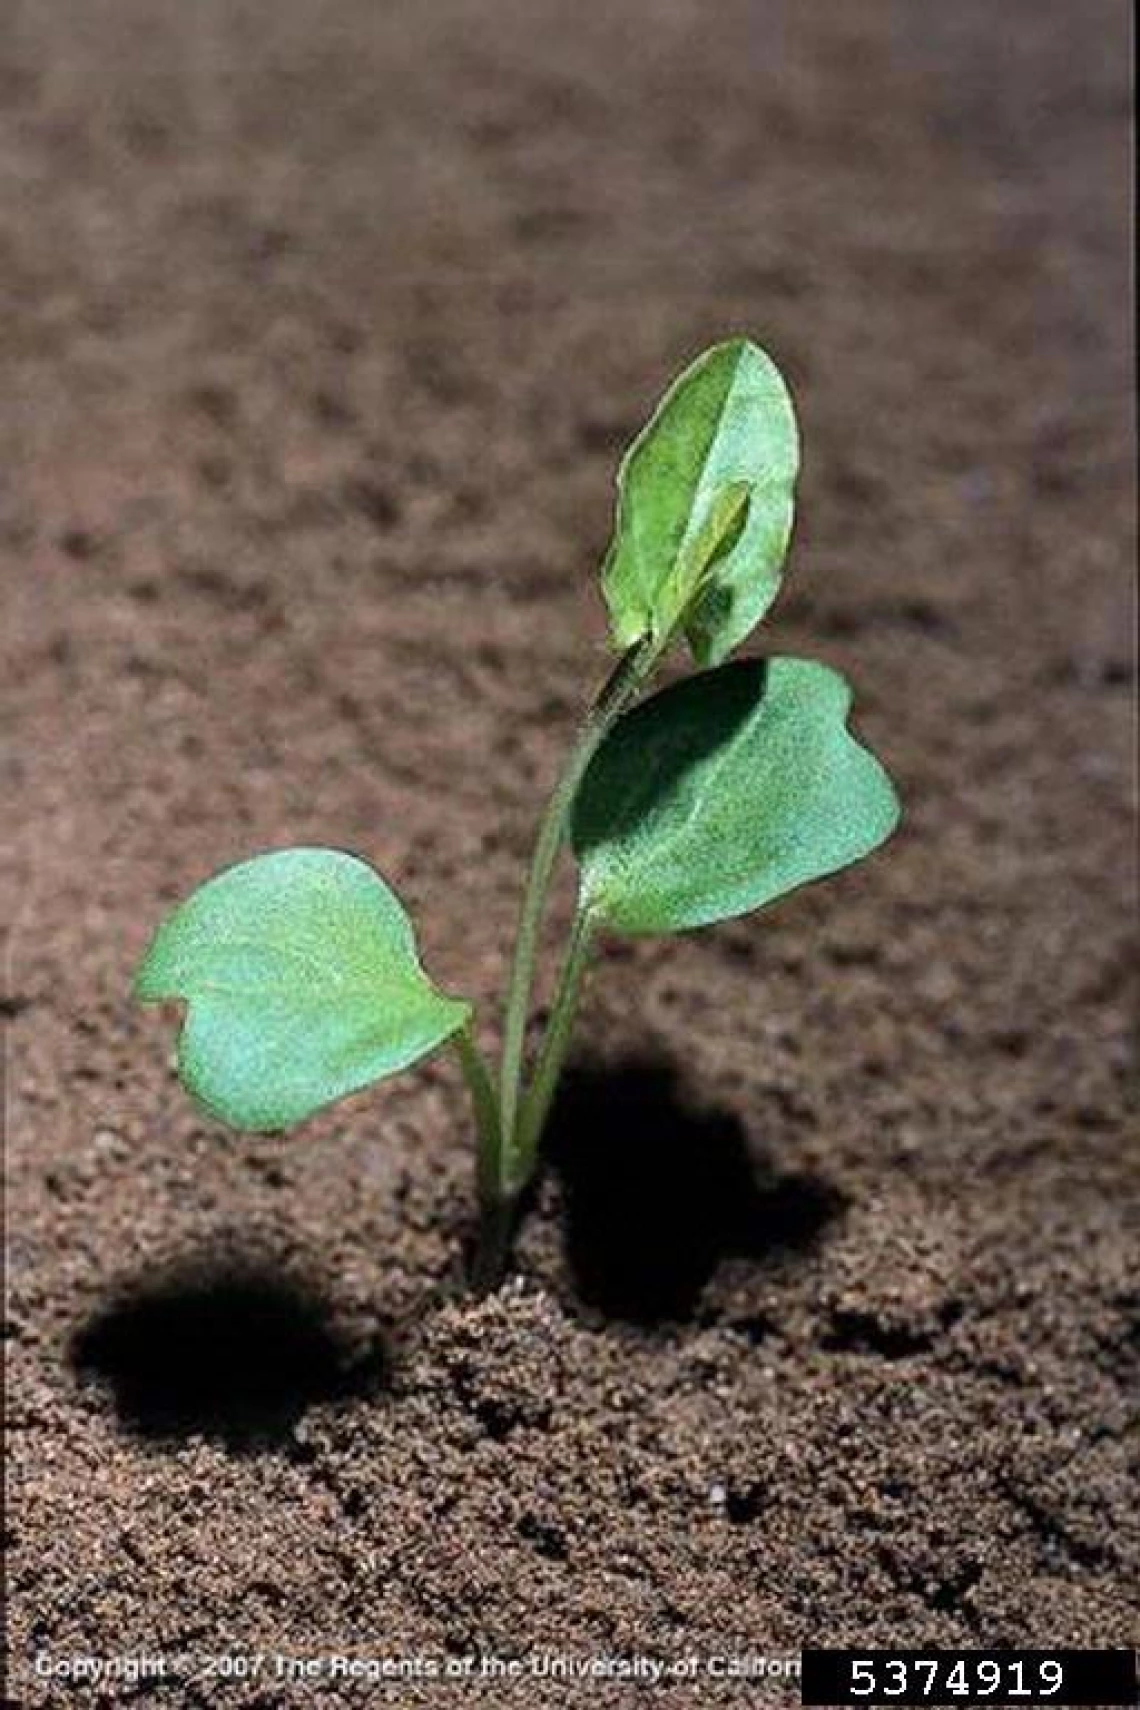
x=708, y=799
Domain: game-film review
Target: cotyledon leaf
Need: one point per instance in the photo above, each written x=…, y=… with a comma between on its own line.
x=724, y=792
x=300, y=972
x=705, y=502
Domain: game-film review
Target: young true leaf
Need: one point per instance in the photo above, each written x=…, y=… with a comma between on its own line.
x=705, y=506
x=302, y=982
x=724, y=792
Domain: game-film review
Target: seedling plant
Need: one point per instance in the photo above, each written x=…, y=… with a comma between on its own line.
x=712, y=797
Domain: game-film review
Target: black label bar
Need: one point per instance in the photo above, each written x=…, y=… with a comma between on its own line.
x=1004, y=1679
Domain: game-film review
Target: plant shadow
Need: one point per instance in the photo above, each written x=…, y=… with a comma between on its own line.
x=232, y=1350
x=657, y=1191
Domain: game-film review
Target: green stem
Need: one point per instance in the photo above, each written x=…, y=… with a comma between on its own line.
x=488, y=1125
x=496, y=1229
x=622, y=684
x=498, y=1204
x=536, y=1105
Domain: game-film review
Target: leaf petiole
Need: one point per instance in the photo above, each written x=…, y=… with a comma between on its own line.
x=498, y=1203
x=485, y=1104
x=552, y=1056
x=618, y=690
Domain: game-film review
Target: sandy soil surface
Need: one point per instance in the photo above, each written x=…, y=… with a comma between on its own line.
x=322, y=329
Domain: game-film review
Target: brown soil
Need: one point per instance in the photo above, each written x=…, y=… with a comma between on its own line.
x=322, y=329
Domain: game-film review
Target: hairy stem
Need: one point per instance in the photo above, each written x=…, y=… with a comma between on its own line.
x=618, y=690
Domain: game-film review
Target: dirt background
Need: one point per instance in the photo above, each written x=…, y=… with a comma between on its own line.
x=322, y=329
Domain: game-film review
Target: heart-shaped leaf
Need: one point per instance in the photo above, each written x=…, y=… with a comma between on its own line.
x=723, y=792
x=705, y=496
x=303, y=984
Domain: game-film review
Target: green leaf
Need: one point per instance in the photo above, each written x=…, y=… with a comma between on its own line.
x=705, y=496
x=724, y=792
x=303, y=984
